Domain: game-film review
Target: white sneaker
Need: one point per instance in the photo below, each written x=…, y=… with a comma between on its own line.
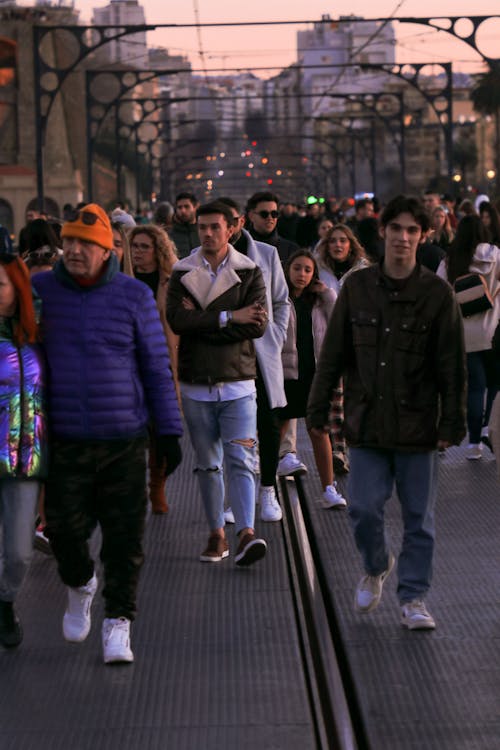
x=415, y=616
x=269, y=506
x=76, y=620
x=369, y=589
x=333, y=498
x=228, y=516
x=290, y=466
x=474, y=451
x=116, y=640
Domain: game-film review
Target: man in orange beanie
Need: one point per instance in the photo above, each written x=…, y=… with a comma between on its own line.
x=110, y=378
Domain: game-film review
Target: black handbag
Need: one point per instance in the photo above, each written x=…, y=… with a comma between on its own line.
x=472, y=294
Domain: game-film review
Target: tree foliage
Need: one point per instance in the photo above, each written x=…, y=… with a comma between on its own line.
x=485, y=97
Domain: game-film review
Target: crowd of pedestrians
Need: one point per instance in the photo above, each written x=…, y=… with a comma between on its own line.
x=377, y=325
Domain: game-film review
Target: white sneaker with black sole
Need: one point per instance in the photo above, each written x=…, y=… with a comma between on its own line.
x=332, y=497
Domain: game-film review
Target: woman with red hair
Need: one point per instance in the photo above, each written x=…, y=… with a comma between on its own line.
x=23, y=435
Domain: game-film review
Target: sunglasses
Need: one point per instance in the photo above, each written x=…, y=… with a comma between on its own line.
x=266, y=214
x=40, y=256
x=86, y=217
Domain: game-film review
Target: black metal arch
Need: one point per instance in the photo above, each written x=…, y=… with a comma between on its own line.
x=88, y=39
x=440, y=22
x=127, y=80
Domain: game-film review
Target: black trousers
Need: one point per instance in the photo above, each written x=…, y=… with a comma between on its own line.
x=99, y=482
x=268, y=431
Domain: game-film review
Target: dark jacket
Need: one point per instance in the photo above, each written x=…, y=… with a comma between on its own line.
x=185, y=237
x=402, y=355
x=208, y=353
x=430, y=255
x=284, y=247
x=287, y=226
x=109, y=371
x=307, y=231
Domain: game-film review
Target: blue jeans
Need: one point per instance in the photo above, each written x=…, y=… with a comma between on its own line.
x=371, y=480
x=18, y=507
x=216, y=429
x=483, y=376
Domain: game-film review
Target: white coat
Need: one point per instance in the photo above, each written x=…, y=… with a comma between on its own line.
x=268, y=347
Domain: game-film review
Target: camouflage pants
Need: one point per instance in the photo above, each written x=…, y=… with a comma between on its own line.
x=99, y=482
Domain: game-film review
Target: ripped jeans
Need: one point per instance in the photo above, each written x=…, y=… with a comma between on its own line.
x=223, y=435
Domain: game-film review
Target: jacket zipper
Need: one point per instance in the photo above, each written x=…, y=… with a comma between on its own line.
x=21, y=406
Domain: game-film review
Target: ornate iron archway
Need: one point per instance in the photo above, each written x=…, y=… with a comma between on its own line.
x=82, y=41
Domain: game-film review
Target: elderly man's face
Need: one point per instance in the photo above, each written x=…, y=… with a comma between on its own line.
x=83, y=260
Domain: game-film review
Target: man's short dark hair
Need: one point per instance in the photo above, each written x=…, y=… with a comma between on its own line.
x=405, y=204
x=217, y=207
x=263, y=197
x=362, y=203
x=186, y=197
x=231, y=203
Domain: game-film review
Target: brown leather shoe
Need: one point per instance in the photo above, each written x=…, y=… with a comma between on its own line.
x=216, y=550
x=250, y=549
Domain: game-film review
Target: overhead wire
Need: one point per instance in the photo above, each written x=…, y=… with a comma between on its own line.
x=358, y=51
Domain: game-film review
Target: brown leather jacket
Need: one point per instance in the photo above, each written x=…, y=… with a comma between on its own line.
x=208, y=353
x=401, y=353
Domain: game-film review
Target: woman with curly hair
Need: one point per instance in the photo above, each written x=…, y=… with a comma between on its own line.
x=338, y=254
x=153, y=256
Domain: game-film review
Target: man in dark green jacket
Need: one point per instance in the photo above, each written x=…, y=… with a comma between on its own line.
x=184, y=229
x=396, y=338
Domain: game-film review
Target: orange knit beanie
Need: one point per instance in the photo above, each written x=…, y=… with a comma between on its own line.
x=90, y=224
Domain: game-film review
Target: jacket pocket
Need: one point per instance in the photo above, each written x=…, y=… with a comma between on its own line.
x=412, y=335
x=417, y=423
x=364, y=329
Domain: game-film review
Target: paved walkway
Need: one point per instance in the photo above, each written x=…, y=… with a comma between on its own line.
x=218, y=659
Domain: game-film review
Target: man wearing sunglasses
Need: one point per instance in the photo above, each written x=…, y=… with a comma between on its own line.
x=262, y=211
x=110, y=379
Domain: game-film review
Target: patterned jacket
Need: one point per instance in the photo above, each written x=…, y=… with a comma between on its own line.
x=23, y=424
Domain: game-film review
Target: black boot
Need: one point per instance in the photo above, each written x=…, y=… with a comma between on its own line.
x=11, y=632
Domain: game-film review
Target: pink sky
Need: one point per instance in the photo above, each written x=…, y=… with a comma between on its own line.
x=276, y=45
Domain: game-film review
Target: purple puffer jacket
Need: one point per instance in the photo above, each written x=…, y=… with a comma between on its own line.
x=109, y=370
